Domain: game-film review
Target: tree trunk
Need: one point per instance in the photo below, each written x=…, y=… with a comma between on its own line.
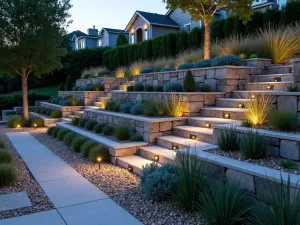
x=207, y=44
x=25, y=94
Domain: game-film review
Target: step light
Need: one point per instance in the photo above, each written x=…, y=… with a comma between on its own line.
x=241, y=105
x=175, y=147
x=193, y=136
x=156, y=158
x=207, y=125
x=130, y=168
x=270, y=87
x=226, y=115
x=253, y=96
x=277, y=79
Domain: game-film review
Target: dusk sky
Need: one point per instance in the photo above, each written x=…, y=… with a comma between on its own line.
x=109, y=13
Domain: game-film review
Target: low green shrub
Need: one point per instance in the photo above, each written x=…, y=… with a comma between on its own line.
x=149, y=88
x=221, y=203
x=243, y=56
x=86, y=148
x=253, y=146
x=203, y=63
x=5, y=156
x=189, y=83
x=108, y=130
x=137, y=109
x=82, y=122
x=205, y=88
x=75, y=121
x=287, y=164
x=56, y=114
x=36, y=122
x=153, y=108
x=15, y=122
x=90, y=124
x=139, y=87
x=227, y=60
x=121, y=132
x=173, y=87
x=55, y=131
x=2, y=144
x=99, y=127
x=62, y=133
x=77, y=143
x=50, y=130
x=158, y=183
x=99, y=151
x=293, y=88
x=253, y=56
x=112, y=105
x=228, y=140
x=73, y=101
x=159, y=88
x=130, y=88
x=98, y=87
x=7, y=174
x=136, y=137
x=186, y=66
x=166, y=69
x=69, y=137
x=147, y=70
x=282, y=120
x=86, y=88
x=126, y=107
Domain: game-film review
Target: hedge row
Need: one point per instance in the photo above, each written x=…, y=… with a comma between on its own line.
x=174, y=43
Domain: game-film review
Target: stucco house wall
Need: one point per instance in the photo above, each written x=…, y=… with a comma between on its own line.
x=158, y=31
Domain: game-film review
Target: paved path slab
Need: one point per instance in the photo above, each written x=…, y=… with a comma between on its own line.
x=14, y=201
x=77, y=200
x=51, y=217
x=103, y=212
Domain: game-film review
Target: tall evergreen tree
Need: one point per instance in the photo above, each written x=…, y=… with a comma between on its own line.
x=121, y=40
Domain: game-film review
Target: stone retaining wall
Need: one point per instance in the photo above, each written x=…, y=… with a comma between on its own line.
x=65, y=110
x=193, y=101
x=149, y=128
x=259, y=63
x=109, y=83
x=86, y=97
x=48, y=122
x=222, y=79
x=280, y=144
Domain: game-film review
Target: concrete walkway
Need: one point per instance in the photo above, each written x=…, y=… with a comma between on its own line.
x=77, y=201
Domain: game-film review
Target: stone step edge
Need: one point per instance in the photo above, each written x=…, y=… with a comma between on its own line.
x=209, y=131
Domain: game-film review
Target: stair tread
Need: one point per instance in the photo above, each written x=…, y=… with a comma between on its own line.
x=225, y=109
x=202, y=130
x=274, y=74
x=234, y=99
x=158, y=150
x=183, y=141
x=272, y=82
x=136, y=161
x=214, y=119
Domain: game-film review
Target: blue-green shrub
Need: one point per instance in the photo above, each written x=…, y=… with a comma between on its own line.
x=203, y=63
x=173, y=87
x=227, y=60
x=137, y=109
x=158, y=183
x=166, y=69
x=126, y=107
x=76, y=88
x=147, y=70
x=86, y=88
x=64, y=102
x=186, y=66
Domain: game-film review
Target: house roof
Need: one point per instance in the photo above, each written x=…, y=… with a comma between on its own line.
x=111, y=30
x=153, y=18
x=77, y=33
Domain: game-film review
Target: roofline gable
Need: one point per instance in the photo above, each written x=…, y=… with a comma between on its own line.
x=134, y=17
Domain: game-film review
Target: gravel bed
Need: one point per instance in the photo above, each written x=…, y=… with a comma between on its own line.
x=122, y=187
x=25, y=182
x=271, y=162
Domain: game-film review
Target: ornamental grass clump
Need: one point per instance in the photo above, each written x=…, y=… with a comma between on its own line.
x=287, y=164
x=253, y=146
x=282, y=208
x=99, y=151
x=173, y=106
x=153, y=108
x=77, y=143
x=222, y=204
x=282, y=120
x=121, y=132
x=2, y=144
x=293, y=88
x=158, y=182
x=86, y=148
x=5, y=156
x=7, y=174
x=112, y=105
x=228, y=140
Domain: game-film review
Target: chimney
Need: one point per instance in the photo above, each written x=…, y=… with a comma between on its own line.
x=93, y=31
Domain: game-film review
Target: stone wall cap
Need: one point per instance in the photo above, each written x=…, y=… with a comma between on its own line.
x=267, y=133
x=282, y=93
x=135, y=117
x=169, y=93
x=245, y=167
x=77, y=92
x=262, y=59
x=43, y=117
x=59, y=106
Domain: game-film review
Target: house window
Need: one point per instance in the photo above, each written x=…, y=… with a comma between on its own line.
x=132, y=38
x=187, y=27
x=81, y=45
x=201, y=23
x=100, y=43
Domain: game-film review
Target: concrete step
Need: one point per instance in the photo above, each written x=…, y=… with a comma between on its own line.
x=92, y=107
x=279, y=69
x=133, y=163
x=100, y=99
x=210, y=121
x=273, y=77
x=225, y=113
x=78, y=113
x=175, y=142
x=199, y=133
x=276, y=86
x=67, y=120
x=231, y=102
x=158, y=154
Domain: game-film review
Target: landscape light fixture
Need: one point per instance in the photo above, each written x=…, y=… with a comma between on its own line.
x=270, y=87
x=253, y=96
x=35, y=125
x=18, y=126
x=99, y=159
x=130, y=169
x=175, y=147
x=156, y=158
x=207, y=125
x=241, y=105
x=277, y=79
x=226, y=115
x=193, y=136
